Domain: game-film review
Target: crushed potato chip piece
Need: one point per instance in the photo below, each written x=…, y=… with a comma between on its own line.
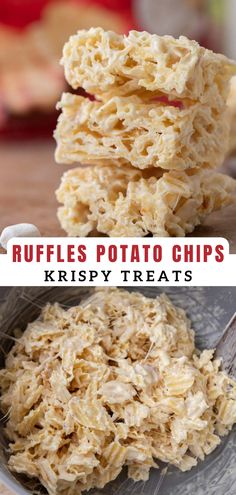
x=104, y=420
x=115, y=392
x=123, y=201
x=144, y=135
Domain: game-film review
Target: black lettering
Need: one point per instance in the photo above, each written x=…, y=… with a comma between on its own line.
x=163, y=276
x=188, y=276
x=62, y=276
x=176, y=273
x=125, y=275
x=137, y=276
x=150, y=276
x=106, y=274
x=82, y=276
x=93, y=274
x=48, y=275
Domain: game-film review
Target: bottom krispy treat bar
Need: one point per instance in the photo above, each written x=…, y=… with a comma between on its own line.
x=123, y=201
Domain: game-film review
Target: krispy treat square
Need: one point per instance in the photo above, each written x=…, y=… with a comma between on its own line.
x=141, y=134
x=124, y=201
x=105, y=63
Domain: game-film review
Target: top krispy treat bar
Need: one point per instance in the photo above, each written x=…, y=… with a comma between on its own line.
x=106, y=64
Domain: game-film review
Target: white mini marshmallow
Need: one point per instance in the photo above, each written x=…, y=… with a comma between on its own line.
x=18, y=230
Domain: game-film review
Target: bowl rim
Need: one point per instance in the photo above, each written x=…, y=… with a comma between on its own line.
x=12, y=484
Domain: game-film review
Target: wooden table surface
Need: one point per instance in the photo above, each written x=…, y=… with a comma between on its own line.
x=5, y=491
x=29, y=177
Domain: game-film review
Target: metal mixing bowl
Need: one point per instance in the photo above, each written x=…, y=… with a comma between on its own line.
x=209, y=309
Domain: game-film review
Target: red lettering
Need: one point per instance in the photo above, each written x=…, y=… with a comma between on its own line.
x=219, y=253
x=157, y=253
x=207, y=252
x=135, y=254
x=112, y=253
x=100, y=252
x=28, y=253
x=70, y=253
x=60, y=259
x=82, y=253
x=176, y=253
x=16, y=253
x=39, y=252
x=50, y=251
x=188, y=253
x=123, y=252
x=198, y=256
x=146, y=248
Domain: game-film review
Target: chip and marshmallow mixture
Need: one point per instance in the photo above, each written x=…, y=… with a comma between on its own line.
x=115, y=381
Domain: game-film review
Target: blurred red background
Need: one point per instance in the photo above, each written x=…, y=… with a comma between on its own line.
x=19, y=13
x=16, y=16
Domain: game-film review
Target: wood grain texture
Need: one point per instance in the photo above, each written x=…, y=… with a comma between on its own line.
x=29, y=177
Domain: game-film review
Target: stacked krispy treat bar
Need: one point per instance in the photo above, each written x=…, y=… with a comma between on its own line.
x=152, y=131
